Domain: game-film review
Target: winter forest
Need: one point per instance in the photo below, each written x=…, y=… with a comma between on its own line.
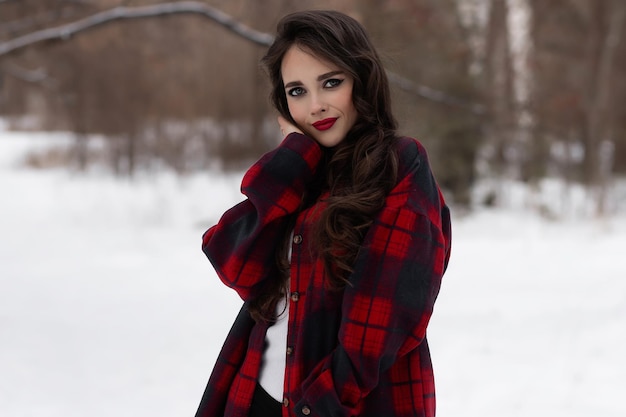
x=125, y=128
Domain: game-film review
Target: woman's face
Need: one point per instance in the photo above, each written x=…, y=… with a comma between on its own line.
x=319, y=96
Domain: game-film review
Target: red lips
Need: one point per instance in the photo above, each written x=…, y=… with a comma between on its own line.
x=325, y=124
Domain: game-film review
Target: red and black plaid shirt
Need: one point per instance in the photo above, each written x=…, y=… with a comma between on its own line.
x=357, y=352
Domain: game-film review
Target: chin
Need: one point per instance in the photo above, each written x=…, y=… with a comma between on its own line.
x=327, y=140
x=329, y=143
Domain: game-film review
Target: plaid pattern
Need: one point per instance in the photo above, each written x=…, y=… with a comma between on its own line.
x=357, y=352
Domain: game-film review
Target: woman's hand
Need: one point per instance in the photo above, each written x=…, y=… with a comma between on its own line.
x=286, y=127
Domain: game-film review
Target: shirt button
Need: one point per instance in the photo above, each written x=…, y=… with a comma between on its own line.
x=286, y=402
x=297, y=239
x=295, y=296
x=289, y=350
x=306, y=410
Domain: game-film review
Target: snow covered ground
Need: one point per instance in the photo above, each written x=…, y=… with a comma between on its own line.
x=109, y=308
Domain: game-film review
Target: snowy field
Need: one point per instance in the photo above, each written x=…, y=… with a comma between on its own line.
x=109, y=308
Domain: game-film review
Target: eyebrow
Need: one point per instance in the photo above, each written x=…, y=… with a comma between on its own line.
x=319, y=78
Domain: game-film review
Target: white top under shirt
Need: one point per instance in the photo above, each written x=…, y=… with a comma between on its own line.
x=272, y=372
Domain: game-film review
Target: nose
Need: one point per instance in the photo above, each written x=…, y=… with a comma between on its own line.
x=317, y=105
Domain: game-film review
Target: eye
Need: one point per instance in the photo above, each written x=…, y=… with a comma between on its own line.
x=333, y=82
x=296, y=91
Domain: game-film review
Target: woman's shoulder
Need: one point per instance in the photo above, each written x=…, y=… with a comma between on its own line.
x=411, y=156
x=414, y=170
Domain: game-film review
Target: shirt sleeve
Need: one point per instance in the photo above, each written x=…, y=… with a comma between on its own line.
x=241, y=246
x=392, y=291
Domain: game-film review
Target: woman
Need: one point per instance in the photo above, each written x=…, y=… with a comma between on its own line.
x=338, y=250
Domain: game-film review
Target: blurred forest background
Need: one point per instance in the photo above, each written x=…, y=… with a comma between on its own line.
x=519, y=90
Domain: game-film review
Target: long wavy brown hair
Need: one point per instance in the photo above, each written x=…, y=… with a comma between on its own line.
x=359, y=172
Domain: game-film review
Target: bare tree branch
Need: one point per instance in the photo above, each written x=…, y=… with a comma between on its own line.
x=32, y=76
x=433, y=95
x=65, y=31
x=30, y=21
x=119, y=13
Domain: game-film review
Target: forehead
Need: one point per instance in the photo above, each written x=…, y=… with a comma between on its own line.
x=302, y=65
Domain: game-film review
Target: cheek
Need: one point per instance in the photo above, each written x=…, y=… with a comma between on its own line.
x=350, y=109
x=296, y=111
x=348, y=104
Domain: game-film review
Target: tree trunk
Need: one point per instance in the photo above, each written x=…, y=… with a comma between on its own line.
x=606, y=26
x=499, y=84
